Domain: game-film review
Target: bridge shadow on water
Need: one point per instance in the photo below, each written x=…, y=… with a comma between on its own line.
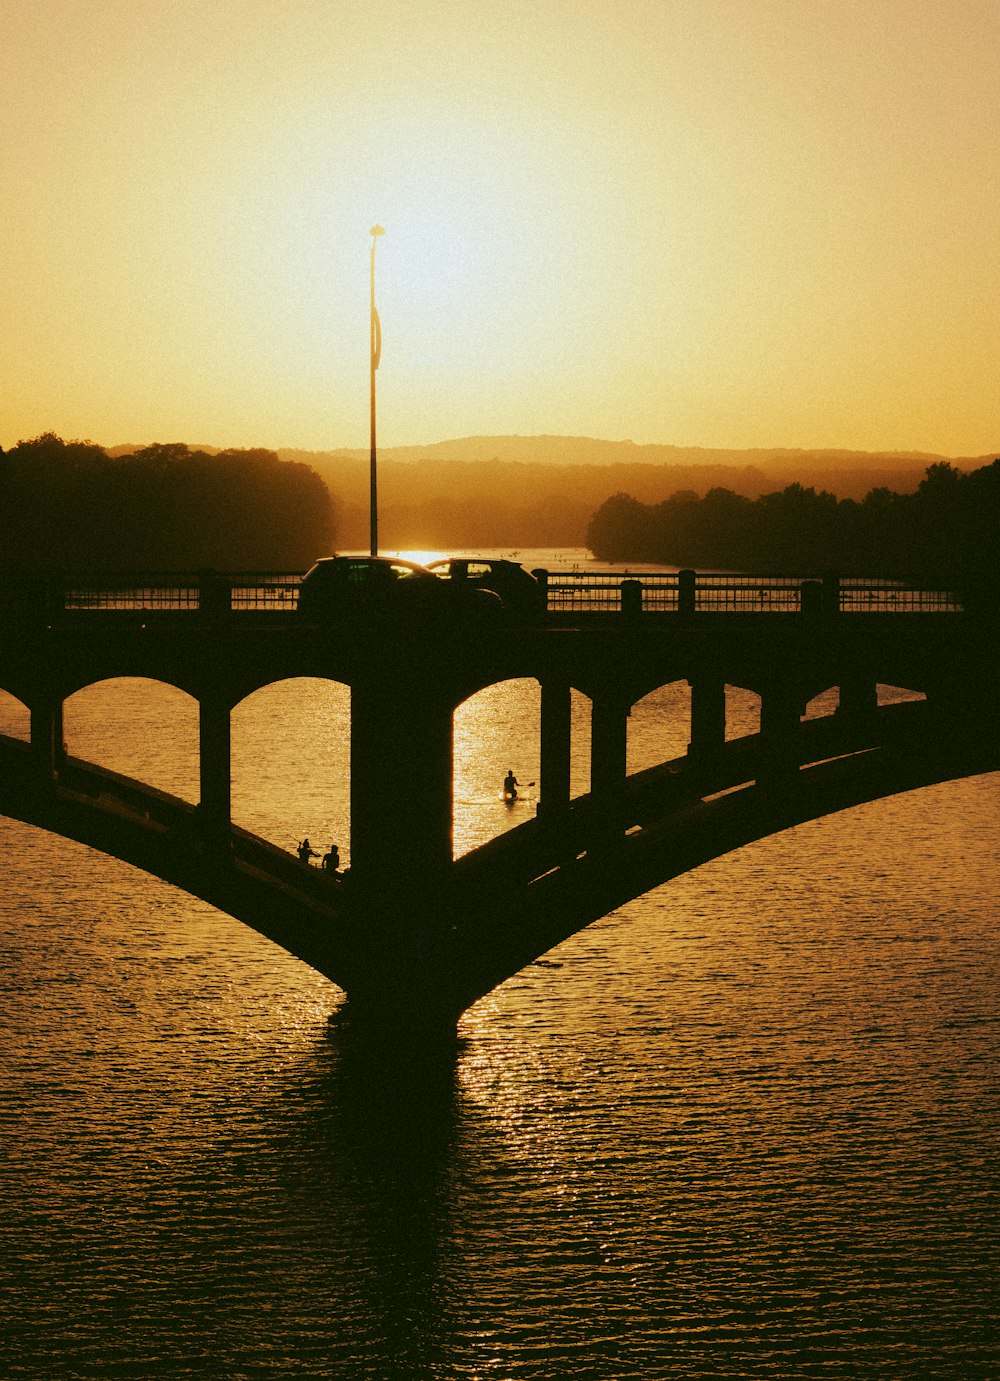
x=365, y=1150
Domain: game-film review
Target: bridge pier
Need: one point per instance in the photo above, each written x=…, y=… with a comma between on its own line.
x=780, y=711
x=556, y=748
x=609, y=755
x=215, y=765
x=46, y=733
x=858, y=700
x=708, y=717
x=402, y=761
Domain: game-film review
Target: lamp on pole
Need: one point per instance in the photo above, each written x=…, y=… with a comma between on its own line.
x=375, y=355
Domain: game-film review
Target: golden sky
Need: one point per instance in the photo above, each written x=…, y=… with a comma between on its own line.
x=706, y=222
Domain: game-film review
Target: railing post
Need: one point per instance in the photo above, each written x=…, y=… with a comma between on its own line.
x=811, y=601
x=542, y=576
x=631, y=599
x=708, y=717
x=215, y=595
x=556, y=745
x=54, y=597
x=47, y=738
x=686, y=591
x=215, y=766
x=831, y=593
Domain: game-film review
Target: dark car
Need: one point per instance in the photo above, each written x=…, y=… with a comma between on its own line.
x=517, y=588
x=389, y=588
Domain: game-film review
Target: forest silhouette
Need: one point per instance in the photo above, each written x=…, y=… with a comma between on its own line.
x=69, y=505
x=946, y=530
x=74, y=505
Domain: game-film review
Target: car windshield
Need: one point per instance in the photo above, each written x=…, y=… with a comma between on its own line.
x=365, y=570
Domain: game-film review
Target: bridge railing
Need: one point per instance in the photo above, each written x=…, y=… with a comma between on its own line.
x=274, y=592
x=872, y=596
x=566, y=594
x=203, y=591
x=710, y=592
x=600, y=592
x=125, y=594
x=746, y=594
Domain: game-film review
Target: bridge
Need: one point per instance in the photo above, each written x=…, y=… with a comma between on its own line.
x=413, y=935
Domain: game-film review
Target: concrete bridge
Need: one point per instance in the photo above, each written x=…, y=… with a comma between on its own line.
x=414, y=936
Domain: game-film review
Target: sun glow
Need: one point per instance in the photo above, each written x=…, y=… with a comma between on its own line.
x=635, y=220
x=422, y=558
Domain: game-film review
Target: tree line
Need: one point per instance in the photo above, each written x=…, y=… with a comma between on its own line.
x=947, y=530
x=542, y=491
x=69, y=505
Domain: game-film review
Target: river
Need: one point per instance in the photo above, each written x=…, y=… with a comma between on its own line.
x=743, y=1127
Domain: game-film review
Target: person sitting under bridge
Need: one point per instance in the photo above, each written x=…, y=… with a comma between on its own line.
x=306, y=851
x=331, y=860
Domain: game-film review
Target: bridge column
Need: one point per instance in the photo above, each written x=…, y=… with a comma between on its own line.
x=47, y=738
x=608, y=753
x=858, y=698
x=780, y=708
x=556, y=740
x=708, y=718
x=215, y=765
x=402, y=761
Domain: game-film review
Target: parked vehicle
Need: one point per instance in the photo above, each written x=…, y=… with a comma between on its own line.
x=389, y=588
x=517, y=588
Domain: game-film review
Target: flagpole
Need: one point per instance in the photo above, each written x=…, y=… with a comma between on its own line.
x=375, y=354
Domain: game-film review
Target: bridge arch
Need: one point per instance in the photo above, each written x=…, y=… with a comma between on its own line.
x=821, y=703
x=291, y=762
x=743, y=710
x=895, y=695
x=138, y=726
x=496, y=729
x=659, y=725
x=15, y=715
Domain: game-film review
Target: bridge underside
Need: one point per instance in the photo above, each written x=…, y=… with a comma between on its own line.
x=676, y=819
x=419, y=952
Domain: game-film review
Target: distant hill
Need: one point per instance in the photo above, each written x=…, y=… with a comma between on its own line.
x=513, y=491
x=586, y=450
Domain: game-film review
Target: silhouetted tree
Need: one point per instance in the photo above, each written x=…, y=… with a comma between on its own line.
x=69, y=505
x=947, y=531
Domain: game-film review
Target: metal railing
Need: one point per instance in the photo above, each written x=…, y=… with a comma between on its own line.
x=565, y=594
x=600, y=592
x=271, y=593
x=205, y=592
x=747, y=594
x=125, y=595
x=873, y=596
x=711, y=592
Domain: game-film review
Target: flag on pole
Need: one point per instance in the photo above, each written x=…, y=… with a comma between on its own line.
x=376, y=324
